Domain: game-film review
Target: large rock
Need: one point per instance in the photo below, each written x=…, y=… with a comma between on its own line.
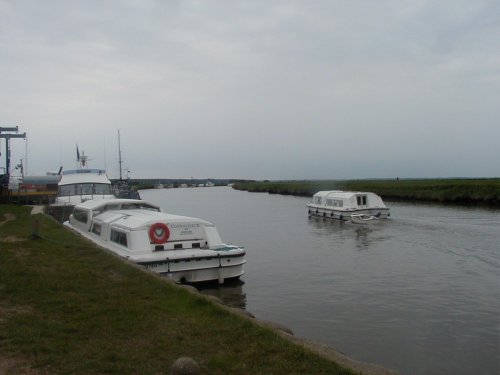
x=185, y=366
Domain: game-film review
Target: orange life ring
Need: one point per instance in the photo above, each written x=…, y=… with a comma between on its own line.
x=159, y=233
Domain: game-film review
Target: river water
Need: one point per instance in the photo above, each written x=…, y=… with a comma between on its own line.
x=418, y=293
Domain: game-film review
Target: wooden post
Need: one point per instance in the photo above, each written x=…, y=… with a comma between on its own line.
x=35, y=228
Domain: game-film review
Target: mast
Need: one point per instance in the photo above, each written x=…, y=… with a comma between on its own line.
x=120, y=162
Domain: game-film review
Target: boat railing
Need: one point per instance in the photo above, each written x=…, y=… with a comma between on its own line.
x=75, y=171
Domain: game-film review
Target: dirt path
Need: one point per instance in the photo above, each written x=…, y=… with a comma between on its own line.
x=15, y=366
x=8, y=217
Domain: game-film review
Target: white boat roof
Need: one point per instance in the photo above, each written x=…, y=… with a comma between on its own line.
x=123, y=213
x=115, y=204
x=340, y=194
x=137, y=219
x=90, y=176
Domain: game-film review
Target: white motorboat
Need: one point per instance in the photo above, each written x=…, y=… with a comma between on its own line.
x=123, y=189
x=185, y=249
x=342, y=205
x=79, y=185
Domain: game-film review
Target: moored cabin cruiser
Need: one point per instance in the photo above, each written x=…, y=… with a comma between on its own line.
x=185, y=249
x=341, y=205
x=78, y=185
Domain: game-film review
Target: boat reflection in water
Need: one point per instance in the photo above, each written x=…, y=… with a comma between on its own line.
x=231, y=293
x=348, y=233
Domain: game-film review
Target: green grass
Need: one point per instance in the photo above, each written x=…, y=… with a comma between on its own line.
x=67, y=307
x=457, y=191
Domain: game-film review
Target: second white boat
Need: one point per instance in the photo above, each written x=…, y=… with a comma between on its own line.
x=342, y=205
x=185, y=249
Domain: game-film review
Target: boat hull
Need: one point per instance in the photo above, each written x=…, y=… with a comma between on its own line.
x=200, y=269
x=184, y=266
x=363, y=219
x=345, y=215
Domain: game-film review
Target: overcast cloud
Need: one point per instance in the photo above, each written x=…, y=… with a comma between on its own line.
x=254, y=89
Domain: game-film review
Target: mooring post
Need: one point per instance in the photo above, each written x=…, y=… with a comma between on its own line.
x=34, y=229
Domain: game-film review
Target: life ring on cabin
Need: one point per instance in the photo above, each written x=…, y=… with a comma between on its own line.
x=159, y=233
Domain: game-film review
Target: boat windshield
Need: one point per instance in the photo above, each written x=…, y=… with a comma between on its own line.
x=125, y=206
x=139, y=206
x=85, y=189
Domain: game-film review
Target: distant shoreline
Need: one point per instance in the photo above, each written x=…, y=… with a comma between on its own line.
x=471, y=192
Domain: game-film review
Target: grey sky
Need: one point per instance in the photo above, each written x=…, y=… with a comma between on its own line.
x=255, y=89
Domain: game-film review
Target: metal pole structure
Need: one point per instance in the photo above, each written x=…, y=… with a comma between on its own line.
x=26, y=156
x=7, y=137
x=119, y=155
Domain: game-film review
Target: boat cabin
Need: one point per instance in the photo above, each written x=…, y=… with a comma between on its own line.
x=79, y=185
x=347, y=199
x=136, y=225
x=185, y=249
x=341, y=204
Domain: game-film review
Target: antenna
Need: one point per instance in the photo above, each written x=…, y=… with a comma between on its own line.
x=81, y=158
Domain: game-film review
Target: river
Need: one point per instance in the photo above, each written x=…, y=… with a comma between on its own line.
x=418, y=293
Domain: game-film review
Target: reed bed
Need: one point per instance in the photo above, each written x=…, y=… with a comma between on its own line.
x=456, y=191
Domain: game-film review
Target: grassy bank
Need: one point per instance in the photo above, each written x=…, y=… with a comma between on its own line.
x=458, y=191
x=67, y=307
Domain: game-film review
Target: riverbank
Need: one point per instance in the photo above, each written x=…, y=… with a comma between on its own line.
x=485, y=192
x=67, y=306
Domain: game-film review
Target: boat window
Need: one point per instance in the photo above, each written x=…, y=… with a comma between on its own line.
x=361, y=199
x=338, y=203
x=96, y=229
x=118, y=237
x=131, y=206
x=102, y=189
x=149, y=207
x=65, y=190
x=178, y=246
x=329, y=202
x=84, y=189
x=80, y=215
x=317, y=200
